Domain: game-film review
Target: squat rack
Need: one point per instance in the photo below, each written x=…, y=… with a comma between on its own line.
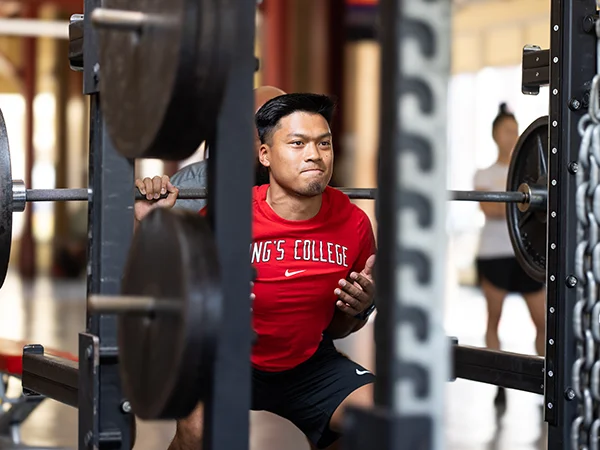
x=413, y=360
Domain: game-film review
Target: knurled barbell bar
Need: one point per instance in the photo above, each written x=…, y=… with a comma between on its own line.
x=21, y=195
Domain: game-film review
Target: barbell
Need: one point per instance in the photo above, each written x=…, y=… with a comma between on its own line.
x=525, y=198
x=21, y=195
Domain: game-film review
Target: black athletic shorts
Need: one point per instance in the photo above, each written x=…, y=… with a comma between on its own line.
x=309, y=394
x=507, y=274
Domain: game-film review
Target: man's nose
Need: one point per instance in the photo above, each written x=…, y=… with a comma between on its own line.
x=312, y=152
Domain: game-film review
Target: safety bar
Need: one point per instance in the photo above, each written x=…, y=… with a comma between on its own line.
x=58, y=378
x=51, y=376
x=505, y=369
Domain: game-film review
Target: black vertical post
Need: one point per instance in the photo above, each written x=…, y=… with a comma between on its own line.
x=103, y=419
x=411, y=346
x=572, y=67
x=230, y=188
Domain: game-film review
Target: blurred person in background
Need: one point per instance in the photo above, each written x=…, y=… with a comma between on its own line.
x=499, y=273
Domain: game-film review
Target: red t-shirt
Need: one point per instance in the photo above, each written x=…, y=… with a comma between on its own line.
x=299, y=264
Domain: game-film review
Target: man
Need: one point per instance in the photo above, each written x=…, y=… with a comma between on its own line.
x=195, y=175
x=313, y=253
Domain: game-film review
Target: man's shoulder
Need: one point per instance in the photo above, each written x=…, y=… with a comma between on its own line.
x=259, y=192
x=259, y=196
x=338, y=199
x=336, y=196
x=361, y=218
x=341, y=203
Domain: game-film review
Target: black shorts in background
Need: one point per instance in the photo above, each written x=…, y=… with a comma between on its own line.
x=507, y=274
x=309, y=394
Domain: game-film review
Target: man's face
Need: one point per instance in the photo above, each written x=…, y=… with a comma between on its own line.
x=300, y=154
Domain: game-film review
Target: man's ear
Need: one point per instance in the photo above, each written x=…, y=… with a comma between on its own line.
x=264, y=154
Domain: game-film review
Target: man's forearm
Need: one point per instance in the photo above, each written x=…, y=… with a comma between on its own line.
x=343, y=325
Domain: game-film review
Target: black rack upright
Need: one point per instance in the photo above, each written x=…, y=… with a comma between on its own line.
x=231, y=176
x=572, y=67
x=104, y=415
x=411, y=347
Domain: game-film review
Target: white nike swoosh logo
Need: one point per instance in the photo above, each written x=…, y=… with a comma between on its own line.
x=290, y=274
x=361, y=372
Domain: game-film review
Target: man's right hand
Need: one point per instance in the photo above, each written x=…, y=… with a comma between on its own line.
x=153, y=188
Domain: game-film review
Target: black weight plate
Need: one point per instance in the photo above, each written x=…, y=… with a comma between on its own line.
x=529, y=164
x=161, y=88
x=6, y=195
x=166, y=358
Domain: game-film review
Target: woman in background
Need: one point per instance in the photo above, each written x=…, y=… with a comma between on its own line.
x=498, y=271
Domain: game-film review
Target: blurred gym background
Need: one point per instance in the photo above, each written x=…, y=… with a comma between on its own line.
x=325, y=46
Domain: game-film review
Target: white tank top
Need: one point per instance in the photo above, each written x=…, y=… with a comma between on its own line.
x=494, y=241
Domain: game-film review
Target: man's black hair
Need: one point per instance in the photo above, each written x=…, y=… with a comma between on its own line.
x=503, y=113
x=268, y=116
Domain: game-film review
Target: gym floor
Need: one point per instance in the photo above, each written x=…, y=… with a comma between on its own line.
x=52, y=313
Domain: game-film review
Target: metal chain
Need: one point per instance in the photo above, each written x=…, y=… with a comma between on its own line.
x=586, y=369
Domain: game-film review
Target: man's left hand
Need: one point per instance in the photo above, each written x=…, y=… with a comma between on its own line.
x=357, y=295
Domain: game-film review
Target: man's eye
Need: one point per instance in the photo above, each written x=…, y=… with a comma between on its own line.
x=325, y=143
x=297, y=143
